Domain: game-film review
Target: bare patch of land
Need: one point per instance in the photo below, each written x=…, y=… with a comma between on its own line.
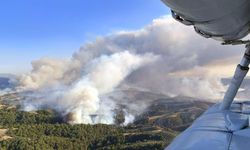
x=3, y=135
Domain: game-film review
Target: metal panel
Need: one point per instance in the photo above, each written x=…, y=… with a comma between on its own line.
x=217, y=130
x=220, y=19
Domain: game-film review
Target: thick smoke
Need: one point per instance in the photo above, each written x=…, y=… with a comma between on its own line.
x=164, y=57
x=181, y=50
x=80, y=101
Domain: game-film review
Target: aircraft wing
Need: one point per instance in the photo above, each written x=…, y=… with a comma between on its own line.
x=217, y=130
x=225, y=20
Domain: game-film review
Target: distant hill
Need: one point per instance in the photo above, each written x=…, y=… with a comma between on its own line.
x=6, y=81
x=175, y=113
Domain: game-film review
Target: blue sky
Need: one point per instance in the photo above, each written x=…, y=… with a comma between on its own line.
x=31, y=29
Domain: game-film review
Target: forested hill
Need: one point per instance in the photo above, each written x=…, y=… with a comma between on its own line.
x=152, y=130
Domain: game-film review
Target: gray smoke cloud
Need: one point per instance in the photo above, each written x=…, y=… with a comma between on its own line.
x=80, y=98
x=180, y=48
x=164, y=57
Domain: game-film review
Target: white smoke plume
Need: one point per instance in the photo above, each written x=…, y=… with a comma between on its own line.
x=77, y=88
x=81, y=98
x=181, y=50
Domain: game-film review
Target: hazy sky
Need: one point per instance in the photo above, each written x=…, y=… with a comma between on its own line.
x=31, y=29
